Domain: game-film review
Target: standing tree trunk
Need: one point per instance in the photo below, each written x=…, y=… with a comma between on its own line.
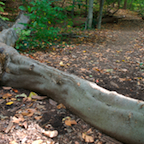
x=100, y=14
x=90, y=14
x=119, y=1
x=125, y=4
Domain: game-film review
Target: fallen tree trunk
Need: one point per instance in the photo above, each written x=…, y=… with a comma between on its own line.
x=114, y=114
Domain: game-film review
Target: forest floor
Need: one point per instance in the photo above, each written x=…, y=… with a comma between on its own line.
x=113, y=58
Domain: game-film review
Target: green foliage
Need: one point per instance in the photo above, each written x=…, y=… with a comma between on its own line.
x=22, y=42
x=2, y=10
x=44, y=19
x=110, y=1
x=138, y=5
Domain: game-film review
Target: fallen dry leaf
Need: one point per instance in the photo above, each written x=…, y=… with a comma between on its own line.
x=32, y=94
x=17, y=120
x=25, y=125
x=13, y=142
x=13, y=99
x=28, y=112
x=41, y=107
x=114, y=84
x=60, y=106
x=83, y=69
x=25, y=113
x=96, y=69
x=23, y=95
x=89, y=131
x=138, y=83
x=66, y=118
x=87, y=138
x=27, y=99
x=7, y=88
x=61, y=64
x=51, y=134
x=52, y=102
x=39, y=97
x=38, y=117
x=70, y=122
x=9, y=103
x=122, y=79
x=65, y=58
x=7, y=95
x=124, y=70
x=37, y=142
x=76, y=142
x=15, y=90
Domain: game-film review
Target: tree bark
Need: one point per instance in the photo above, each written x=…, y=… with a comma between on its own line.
x=119, y=1
x=90, y=13
x=114, y=114
x=100, y=14
x=125, y=4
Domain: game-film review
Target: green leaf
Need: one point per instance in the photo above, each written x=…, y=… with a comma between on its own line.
x=3, y=18
x=22, y=8
x=29, y=9
x=32, y=94
x=17, y=47
x=21, y=95
x=2, y=3
x=1, y=9
x=33, y=3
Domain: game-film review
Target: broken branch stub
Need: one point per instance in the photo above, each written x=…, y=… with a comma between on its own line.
x=114, y=114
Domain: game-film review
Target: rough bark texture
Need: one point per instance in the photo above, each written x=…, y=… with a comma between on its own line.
x=114, y=114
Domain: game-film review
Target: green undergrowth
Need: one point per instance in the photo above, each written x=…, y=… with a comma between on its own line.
x=2, y=10
x=44, y=29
